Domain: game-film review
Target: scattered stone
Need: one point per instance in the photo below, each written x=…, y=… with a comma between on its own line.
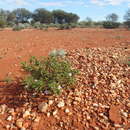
x=3, y=108
x=50, y=102
x=11, y=111
x=48, y=114
x=23, y=128
x=67, y=110
x=78, y=99
x=125, y=114
x=128, y=105
x=43, y=107
x=9, y=118
x=95, y=105
x=26, y=114
x=7, y=127
x=61, y=104
x=37, y=119
x=55, y=112
x=19, y=123
x=117, y=125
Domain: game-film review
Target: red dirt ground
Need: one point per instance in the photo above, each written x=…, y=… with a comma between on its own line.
x=17, y=46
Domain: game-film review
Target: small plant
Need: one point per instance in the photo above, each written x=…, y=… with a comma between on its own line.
x=51, y=73
x=2, y=24
x=110, y=25
x=60, y=52
x=64, y=26
x=37, y=25
x=18, y=27
x=43, y=27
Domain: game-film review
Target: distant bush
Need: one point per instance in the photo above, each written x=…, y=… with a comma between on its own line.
x=110, y=24
x=43, y=27
x=52, y=25
x=37, y=25
x=18, y=27
x=2, y=23
x=64, y=26
x=27, y=25
x=51, y=74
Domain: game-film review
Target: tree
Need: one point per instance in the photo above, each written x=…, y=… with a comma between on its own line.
x=3, y=17
x=42, y=15
x=71, y=18
x=4, y=14
x=61, y=17
x=112, y=17
x=22, y=15
x=11, y=17
x=127, y=18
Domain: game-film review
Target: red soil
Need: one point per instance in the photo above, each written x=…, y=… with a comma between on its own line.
x=17, y=46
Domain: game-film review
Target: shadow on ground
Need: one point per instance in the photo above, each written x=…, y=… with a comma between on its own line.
x=11, y=95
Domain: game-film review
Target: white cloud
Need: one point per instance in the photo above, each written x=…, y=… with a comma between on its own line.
x=61, y=3
x=51, y=3
x=17, y=2
x=56, y=3
x=98, y=2
x=109, y=2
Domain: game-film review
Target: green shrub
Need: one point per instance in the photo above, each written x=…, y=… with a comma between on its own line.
x=37, y=25
x=110, y=25
x=51, y=73
x=2, y=23
x=18, y=27
x=64, y=26
x=43, y=27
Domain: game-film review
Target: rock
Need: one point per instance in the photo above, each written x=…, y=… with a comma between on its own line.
x=128, y=105
x=61, y=104
x=43, y=107
x=48, y=114
x=9, y=118
x=11, y=111
x=55, y=112
x=3, y=108
x=33, y=115
x=19, y=123
x=124, y=114
x=23, y=128
x=67, y=110
x=78, y=99
x=37, y=119
x=117, y=125
x=50, y=102
x=95, y=105
x=26, y=114
x=7, y=127
x=114, y=114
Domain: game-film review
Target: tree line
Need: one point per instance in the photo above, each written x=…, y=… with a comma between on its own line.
x=22, y=15
x=43, y=16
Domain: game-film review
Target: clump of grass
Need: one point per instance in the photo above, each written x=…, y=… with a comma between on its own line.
x=52, y=73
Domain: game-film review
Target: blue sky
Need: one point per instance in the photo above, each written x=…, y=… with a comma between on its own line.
x=96, y=9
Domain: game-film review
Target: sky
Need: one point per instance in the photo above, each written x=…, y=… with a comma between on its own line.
x=95, y=9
